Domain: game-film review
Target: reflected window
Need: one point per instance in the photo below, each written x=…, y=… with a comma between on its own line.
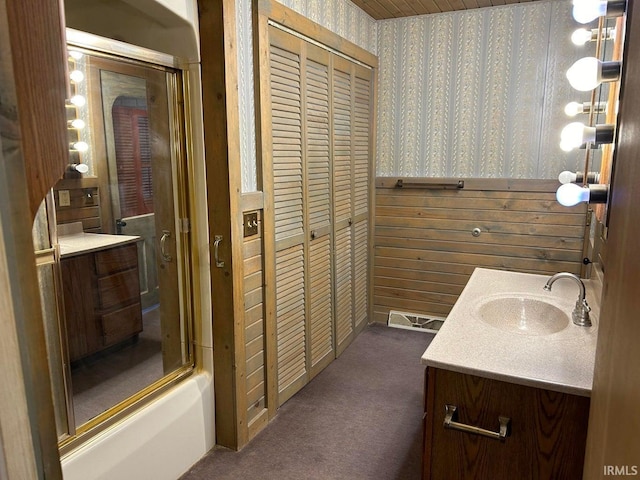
x=133, y=155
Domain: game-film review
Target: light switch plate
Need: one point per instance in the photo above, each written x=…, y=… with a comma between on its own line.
x=250, y=223
x=64, y=200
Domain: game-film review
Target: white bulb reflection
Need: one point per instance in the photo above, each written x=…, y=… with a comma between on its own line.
x=80, y=146
x=80, y=167
x=589, y=72
x=572, y=136
x=584, y=74
x=78, y=101
x=567, y=177
x=574, y=108
x=75, y=55
x=78, y=124
x=581, y=36
x=76, y=76
x=585, y=11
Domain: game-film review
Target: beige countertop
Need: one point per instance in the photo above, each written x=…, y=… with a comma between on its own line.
x=80, y=243
x=562, y=361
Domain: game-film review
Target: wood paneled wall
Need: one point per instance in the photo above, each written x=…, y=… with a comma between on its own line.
x=254, y=331
x=84, y=203
x=424, y=249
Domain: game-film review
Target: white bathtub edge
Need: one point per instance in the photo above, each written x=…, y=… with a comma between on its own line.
x=161, y=441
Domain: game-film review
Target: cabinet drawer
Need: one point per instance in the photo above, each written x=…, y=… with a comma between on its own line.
x=116, y=259
x=121, y=324
x=548, y=430
x=118, y=289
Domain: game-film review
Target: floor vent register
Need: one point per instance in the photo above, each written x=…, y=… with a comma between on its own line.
x=414, y=321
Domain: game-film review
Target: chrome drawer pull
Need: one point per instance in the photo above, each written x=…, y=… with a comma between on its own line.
x=449, y=422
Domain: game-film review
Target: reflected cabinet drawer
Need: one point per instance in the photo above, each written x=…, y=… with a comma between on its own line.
x=116, y=260
x=121, y=324
x=118, y=289
x=101, y=299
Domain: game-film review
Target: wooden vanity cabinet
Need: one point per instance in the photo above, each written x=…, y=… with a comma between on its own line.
x=546, y=437
x=101, y=299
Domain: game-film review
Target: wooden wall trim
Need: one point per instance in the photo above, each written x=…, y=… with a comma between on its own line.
x=252, y=201
x=372, y=195
x=613, y=438
x=33, y=145
x=222, y=147
x=494, y=184
x=301, y=24
x=36, y=31
x=268, y=223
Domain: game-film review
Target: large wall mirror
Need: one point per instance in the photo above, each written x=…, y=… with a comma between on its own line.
x=112, y=237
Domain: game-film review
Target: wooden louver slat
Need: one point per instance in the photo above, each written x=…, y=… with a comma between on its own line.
x=290, y=316
x=287, y=141
x=317, y=148
x=342, y=145
x=361, y=145
x=321, y=331
x=361, y=231
x=344, y=322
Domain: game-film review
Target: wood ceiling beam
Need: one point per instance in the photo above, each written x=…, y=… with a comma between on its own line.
x=385, y=9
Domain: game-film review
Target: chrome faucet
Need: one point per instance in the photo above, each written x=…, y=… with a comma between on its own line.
x=580, y=314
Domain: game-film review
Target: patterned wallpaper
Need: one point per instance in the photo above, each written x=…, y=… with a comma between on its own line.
x=477, y=93
x=339, y=16
x=246, y=95
x=342, y=17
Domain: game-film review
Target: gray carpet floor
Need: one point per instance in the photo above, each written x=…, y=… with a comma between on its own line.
x=361, y=418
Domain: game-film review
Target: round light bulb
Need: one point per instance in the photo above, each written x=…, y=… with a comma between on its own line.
x=585, y=11
x=80, y=167
x=567, y=177
x=76, y=76
x=76, y=55
x=81, y=146
x=78, y=100
x=574, y=108
x=78, y=124
x=584, y=75
x=581, y=36
x=571, y=194
x=572, y=136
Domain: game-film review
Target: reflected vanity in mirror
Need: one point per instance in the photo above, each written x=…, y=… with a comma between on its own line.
x=116, y=224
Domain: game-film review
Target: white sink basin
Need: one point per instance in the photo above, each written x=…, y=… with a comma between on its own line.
x=523, y=314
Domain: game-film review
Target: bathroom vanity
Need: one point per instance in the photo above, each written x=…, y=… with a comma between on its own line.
x=508, y=382
x=100, y=283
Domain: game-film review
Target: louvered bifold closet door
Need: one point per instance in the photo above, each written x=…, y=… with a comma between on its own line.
x=318, y=207
x=342, y=128
x=287, y=158
x=362, y=153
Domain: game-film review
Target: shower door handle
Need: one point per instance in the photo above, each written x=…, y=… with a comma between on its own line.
x=216, y=246
x=163, y=240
